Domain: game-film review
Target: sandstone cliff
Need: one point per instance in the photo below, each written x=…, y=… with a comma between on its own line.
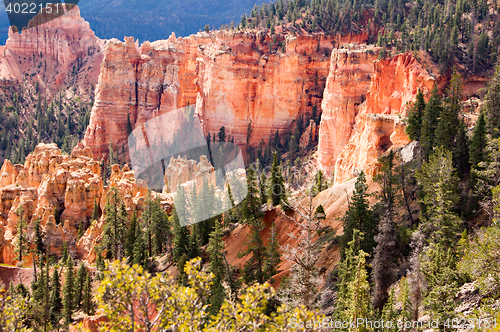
x=60, y=53
x=232, y=77
x=363, y=118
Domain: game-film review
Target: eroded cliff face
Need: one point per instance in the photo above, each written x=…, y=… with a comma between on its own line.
x=69, y=184
x=56, y=54
x=232, y=77
x=348, y=81
x=359, y=125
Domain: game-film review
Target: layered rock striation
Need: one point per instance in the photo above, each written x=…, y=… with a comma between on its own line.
x=232, y=78
x=364, y=118
x=59, y=191
x=61, y=52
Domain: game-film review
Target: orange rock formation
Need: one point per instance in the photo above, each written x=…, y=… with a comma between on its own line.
x=60, y=52
x=232, y=77
x=363, y=118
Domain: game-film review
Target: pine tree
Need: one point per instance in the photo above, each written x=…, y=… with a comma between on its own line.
x=95, y=211
x=87, y=296
x=359, y=291
x=432, y=113
x=273, y=255
x=478, y=144
x=81, y=278
x=161, y=228
x=276, y=183
x=252, y=200
x=253, y=270
x=415, y=117
x=114, y=224
x=55, y=298
x=384, y=261
x=129, y=124
x=439, y=196
x=68, y=296
x=222, y=134
x=319, y=182
x=139, y=253
x=131, y=237
x=40, y=247
x=262, y=188
x=21, y=246
x=492, y=104
x=215, y=250
x=359, y=216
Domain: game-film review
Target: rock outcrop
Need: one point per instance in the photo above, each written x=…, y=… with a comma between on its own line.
x=356, y=130
x=52, y=185
x=62, y=52
x=346, y=88
x=232, y=78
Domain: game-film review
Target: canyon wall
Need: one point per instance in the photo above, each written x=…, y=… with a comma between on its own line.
x=364, y=117
x=232, y=77
x=62, y=52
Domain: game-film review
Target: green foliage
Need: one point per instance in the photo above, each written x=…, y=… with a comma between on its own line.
x=276, y=183
x=481, y=262
x=81, y=278
x=415, y=117
x=432, y=113
x=21, y=240
x=115, y=224
x=273, y=254
x=69, y=292
x=492, y=105
x=440, y=197
x=478, y=144
x=439, y=266
x=253, y=270
x=215, y=250
x=56, y=304
x=359, y=216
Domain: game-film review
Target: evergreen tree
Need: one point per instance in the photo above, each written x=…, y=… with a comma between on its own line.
x=68, y=296
x=131, y=237
x=21, y=245
x=114, y=224
x=139, y=253
x=273, y=255
x=87, y=295
x=384, y=261
x=492, y=104
x=81, y=278
x=129, y=124
x=161, y=228
x=319, y=182
x=215, y=250
x=55, y=298
x=253, y=270
x=95, y=211
x=262, y=188
x=478, y=144
x=252, y=201
x=439, y=197
x=276, y=183
x=415, y=117
x=359, y=216
x=432, y=113
x=222, y=134
x=40, y=247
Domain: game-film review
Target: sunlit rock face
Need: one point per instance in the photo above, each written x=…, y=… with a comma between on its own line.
x=68, y=184
x=231, y=77
x=62, y=52
x=362, y=121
